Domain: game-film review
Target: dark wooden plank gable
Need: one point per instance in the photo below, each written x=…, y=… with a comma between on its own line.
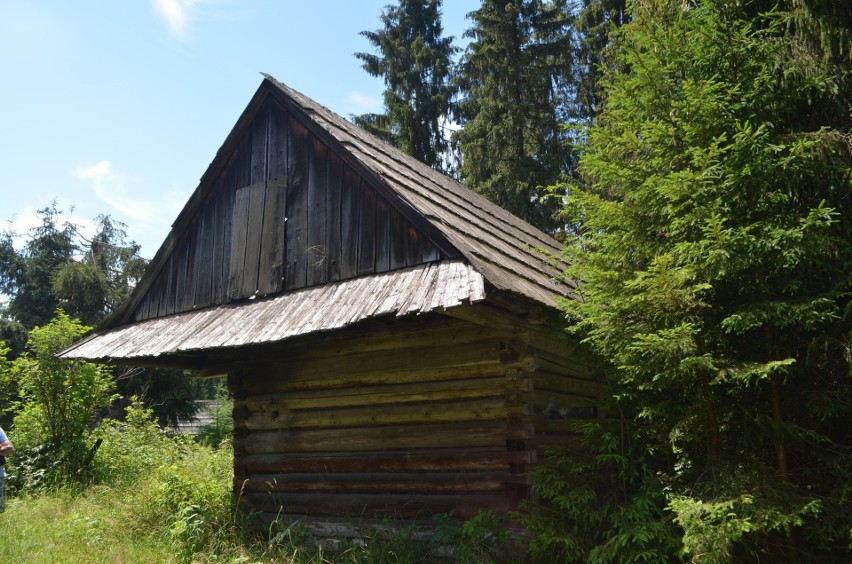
x=297, y=206
x=273, y=238
x=204, y=256
x=334, y=196
x=349, y=216
x=285, y=211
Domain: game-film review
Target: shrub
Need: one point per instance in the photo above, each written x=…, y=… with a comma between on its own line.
x=131, y=448
x=59, y=403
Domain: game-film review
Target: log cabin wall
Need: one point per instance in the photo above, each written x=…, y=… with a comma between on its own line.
x=285, y=212
x=445, y=407
x=406, y=426
x=565, y=387
x=403, y=426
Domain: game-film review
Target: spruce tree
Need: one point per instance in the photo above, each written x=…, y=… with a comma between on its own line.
x=595, y=20
x=715, y=258
x=104, y=275
x=414, y=60
x=516, y=84
x=26, y=275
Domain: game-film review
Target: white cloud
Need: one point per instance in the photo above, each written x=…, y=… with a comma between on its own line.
x=98, y=171
x=176, y=14
x=22, y=223
x=112, y=189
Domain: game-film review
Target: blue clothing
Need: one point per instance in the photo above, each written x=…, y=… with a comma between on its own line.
x=3, y=439
x=2, y=477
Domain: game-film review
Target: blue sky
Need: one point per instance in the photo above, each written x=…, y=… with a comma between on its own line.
x=117, y=106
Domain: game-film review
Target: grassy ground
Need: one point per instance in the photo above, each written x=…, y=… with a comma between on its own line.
x=135, y=523
x=182, y=512
x=106, y=525
x=60, y=527
x=149, y=497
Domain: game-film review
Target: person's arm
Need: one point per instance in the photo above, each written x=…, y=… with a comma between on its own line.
x=6, y=448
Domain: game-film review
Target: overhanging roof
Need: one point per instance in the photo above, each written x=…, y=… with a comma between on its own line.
x=425, y=288
x=510, y=253
x=483, y=244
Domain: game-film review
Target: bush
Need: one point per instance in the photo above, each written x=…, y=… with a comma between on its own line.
x=129, y=449
x=60, y=401
x=222, y=426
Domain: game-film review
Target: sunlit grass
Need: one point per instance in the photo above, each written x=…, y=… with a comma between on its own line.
x=155, y=498
x=62, y=527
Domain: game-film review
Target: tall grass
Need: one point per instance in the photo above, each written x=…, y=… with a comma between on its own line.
x=156, y=498
x=153, y=498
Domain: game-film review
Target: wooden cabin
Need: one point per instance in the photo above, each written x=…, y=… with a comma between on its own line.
x=392, y=340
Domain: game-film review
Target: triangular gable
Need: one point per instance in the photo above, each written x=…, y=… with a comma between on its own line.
x=511, y=254
x=282, y=207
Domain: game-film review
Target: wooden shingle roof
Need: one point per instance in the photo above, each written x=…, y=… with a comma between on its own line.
x=466, y=244
x=510, y=253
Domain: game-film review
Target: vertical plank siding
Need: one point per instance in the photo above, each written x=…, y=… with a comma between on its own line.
x=285, y=212
x=334, y=198
x=349, y=217
x=317, y=217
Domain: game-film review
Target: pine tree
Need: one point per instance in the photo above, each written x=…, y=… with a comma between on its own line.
x=715, y=212
x=26, y=276
x=414, y=61
x=88, y=279
x=104, y=276
x=596, y=19
x=515, y=82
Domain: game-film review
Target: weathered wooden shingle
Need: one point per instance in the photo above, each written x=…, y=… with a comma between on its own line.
x=299, y=198
x=439, y=285
x=510, y=253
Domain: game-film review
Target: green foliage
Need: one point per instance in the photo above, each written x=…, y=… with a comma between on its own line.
x=600, y=501
x=13, y=333
x=88, y=279
x=222, y=426
x=715, y=250
x=27, y=276
x=516, y=89
x=170, y=392
x=132, y=447
x=414, y=61
x=181, y=491
x=59, y=268
x=59, y=403
x=712, y=530
x=95, y=285
x=158, y=499
x=596, y=19
x=483, y=538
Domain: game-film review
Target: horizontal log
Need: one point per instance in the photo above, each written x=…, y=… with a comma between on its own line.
x=399, y=336
x=285, y=373
x=379, y=394
x=468, y=460
x=436, y=435
x=279, y=417
x=415, y=374
x=555, y=364
x=545, y=381
x=377, y=505
x=382, y=482
x=553, y=342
